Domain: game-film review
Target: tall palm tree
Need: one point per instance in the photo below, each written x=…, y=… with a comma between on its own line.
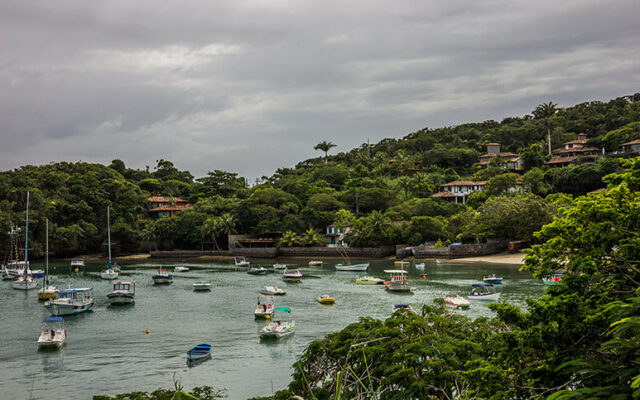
x=324, y=146
x=288, y=239
x=211, y=228
x=227, y=225
x=377, y=222
x=546, y=111
x=311, y=238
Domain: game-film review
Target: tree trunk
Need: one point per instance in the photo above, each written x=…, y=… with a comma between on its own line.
x=549, y=139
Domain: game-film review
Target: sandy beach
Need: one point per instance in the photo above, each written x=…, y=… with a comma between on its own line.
x=501, y=258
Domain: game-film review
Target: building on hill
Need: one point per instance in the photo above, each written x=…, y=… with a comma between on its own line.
x=630, y=147
x=510, y=161
x=569, y=153
x=163, y=206
x=336, y=235
x=458, y=191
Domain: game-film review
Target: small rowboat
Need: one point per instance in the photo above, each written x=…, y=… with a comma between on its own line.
x=279, y=267
x=278, y=329
x=353, y=267
x=199, y=352
x=256, y=271
x=202, y=286
x=315, y=263
x=180, y=269
x=326, y=299
x=369, y=280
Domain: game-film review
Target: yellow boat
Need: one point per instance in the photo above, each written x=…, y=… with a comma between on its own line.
x=326, y=299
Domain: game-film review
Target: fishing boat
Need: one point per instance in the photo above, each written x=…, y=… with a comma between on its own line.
x=70, y=301
x=369, y=280
x=352, y=267
x=326, y=299
x=456, y=301
x=257, y=271
x=398, y=281
x=279, y=267
x=278, y=329
x=483, y=291
x=199, y=352
x=15, y=263
x=48, y=291
x=420, y=266
x=400, y=263
x=110, y=272
x=292, y=274
x=202, y=286
x=492, y=279
x=123, y=293
x=162, y=277
x=403, y=307
x=26, y=281
x=180, y=269
x=241, y=261
x=316, y=263
x=264, y=308
x=272, y=291
x=53, y=333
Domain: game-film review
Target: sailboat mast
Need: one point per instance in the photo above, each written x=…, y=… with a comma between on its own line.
x=26, y=242
x=109, y=235
x=46, y=254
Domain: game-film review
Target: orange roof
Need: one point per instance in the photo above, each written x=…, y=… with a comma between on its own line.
x=577, y=141
x=493, y=144
x=560, y=160
x=443, y=194
x=637, y=141
x=597, y=191
x=576, y=150
x=161, y=199
x=466, y=183
x=169, y=208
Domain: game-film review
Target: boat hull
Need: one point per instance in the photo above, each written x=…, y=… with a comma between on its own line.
x=257, y=271
x=121, y=299
x=354, y=267
x=497, y=281
x=485, y=297
x=162, y=280
x=47, y=294
x=270, y=332
x=398, y=286
x=108, y=275
x=24, y=285
x=68, y=309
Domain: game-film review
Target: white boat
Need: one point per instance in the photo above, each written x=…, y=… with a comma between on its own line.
x=272, y=291
x=420, y=266
x=110, y=272
x=180, y=269
x=26, y=281
x=316, y=263
x=352, y=267
x=492, y=279
x=70, y=301
x=201, y=286
x=456, y=301
x=162, y=277
x=403, y=307
x=278, y=329
x=292, y=274
x=241, y=261
x=48, y=291
x=264, y=308
x=53, y=333
x=256, y=271
x=16, y=263
x=398, y=281
x=279, y=267
x=77, y=262
x=369, y=280
x=483, y=291
x=124, y=292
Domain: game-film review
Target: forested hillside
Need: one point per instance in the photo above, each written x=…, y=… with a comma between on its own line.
x=382, y=191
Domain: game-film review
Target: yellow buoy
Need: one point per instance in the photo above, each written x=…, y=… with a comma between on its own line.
x=267, y=316
x=147, y=331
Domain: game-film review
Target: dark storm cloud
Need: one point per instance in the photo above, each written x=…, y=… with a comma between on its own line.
x=250, y=86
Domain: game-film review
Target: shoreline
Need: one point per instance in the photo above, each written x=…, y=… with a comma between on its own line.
x=500, y=258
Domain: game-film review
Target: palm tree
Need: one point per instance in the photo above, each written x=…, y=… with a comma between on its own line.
x=288, y=239
x=311, y=238
x=404, y=183
x=324, y=146
x=212, y=228
x=546, y=111
x=377, y=223
x=227, y=225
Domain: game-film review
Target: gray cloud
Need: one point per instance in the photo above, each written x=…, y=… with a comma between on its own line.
x=250, y=86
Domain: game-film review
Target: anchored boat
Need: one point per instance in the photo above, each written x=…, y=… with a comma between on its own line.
x=199, y=352
x=483, y=291
x=110, y=272
x=492, y=279
x=124, y=292
x=47, y=292
x=162, y=277
x=25, y=281
x=264, y=308
x=272, y=291
x=202, y=286
x=70, y=301
x=369, y=280
x=278, y=329
x=241, y=261
x=292, y=274
x=326, y=299
x=53, y=333
x=456, y=301
x=256, y=271
x=352, y=267
x=398, y=281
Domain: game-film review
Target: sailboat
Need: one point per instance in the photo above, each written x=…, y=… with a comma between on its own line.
x=15, y=264
x=110, y=272
x=26, y=281
x=47, y=291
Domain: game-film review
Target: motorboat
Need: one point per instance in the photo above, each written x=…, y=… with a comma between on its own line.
x=369, y=280
x=162, y=277
x=292, y=274
x=492, y=279
x=483, y=291
x=352, y=267
x=241, y=261
x=456, y=301
x=70, y=301
x=403, y=307
x=124, y=292
x=326, y=299
x=13, y=269
x=37, y=273
x=53, y=333
x=420, y=266
x=272, y=291
x=316, y=263
x=77, y=262
x=554, y=280
x=48, y=291
x=279, y=267
x=199, y=352
x=278, y=329
x=257, y=271
x=400, y=263
x=264, y=308
x=398, y=281
x=202, y=286
x=180, y=268
x=110, y=272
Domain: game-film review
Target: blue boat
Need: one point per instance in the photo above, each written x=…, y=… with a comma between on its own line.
x=492, y=279
x=199, y=352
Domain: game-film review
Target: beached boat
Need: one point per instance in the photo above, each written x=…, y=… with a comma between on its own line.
x=124, y=292
x=352, y=267
x=279, y=267
x=278, y=329
x=292, y=274
x=369, y=280
x=48, y=291
x=264, y=308
x=403, y=307
x=110, y=272
x=162, y=277
x=272, y=291
x=326, y=299
x=70, y=301
x=52, y=333
x=400, y=263
x=398, y=281
x=483, y=291
x=316, y=263
x=202, y=286
x=456, y=301
x=26, y=281
x=180, y=269
x=492, y=279
x=199, y=352
x=256, y=271
x=241, y=261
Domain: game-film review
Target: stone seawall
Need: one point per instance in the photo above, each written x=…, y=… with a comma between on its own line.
x=273, y=252
x=460, y=251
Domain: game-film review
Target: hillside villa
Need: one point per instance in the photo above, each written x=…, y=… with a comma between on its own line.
x=569, y=153
x=510, y=161
x=458, y=191
x=164, y=206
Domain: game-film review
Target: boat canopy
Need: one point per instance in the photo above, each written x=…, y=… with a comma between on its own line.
x=395, y=271
x=481, y=284
x=53, y=319
x=285, y=309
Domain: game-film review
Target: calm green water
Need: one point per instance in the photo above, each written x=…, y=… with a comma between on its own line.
x=107, y=350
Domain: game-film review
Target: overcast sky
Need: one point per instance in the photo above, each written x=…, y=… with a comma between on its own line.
x=250, y=86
